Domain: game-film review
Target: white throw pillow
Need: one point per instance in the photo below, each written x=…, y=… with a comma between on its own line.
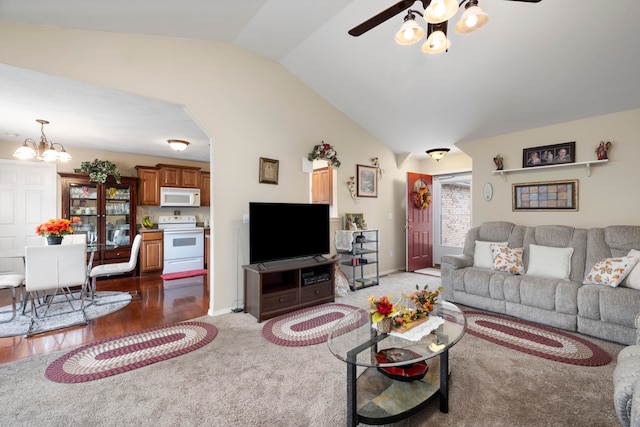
x=610, y=271
x=548, y=261
x=482, y=256
x=633, y=278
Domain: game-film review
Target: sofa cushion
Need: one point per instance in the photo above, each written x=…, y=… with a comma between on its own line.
x=482, y=256
x=547, y=261
x=507, y=259
x=610, y=271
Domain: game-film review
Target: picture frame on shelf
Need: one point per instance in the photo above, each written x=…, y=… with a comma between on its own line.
x=552, y=196
x=547, y=155
x=268, y=171
x=367, y=177
x=354, y=218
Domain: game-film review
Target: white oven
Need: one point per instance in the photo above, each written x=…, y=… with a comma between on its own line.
x=183, y=243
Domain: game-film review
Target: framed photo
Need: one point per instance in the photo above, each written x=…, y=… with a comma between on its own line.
x=268, y=171
x=546, y=196
x=367, y=181
x=353, y=218
x=549, y=155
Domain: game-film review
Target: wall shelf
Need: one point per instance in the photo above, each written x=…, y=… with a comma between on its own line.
x=587, y=165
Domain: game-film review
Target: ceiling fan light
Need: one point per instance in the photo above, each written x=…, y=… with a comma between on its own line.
x=437, y=42
x=178, y=144
x=440, y=10
x=64, y=156
x=438, y=154
x=24, y=152
x=472, y=19
x=410, y=32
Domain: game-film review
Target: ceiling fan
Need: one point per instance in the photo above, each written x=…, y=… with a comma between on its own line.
x=436, y=13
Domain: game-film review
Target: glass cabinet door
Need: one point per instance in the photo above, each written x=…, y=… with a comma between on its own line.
x=84, y=210
x=118, y=218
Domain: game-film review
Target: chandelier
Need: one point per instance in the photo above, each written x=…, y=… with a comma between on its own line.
x=43, y=150
x=437, y=15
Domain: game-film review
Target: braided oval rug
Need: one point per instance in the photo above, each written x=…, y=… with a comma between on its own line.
x=535, y=339
x=124, y=353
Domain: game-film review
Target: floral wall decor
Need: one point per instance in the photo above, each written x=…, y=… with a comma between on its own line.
x=376, y=163
x=351, y=185
x=423, y=195
x=324, y=152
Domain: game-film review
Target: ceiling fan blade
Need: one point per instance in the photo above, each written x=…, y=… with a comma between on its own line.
x=527, y=1
x=381, y=17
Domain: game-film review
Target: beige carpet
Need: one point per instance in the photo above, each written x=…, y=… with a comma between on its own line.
x=429, y=271
x=240, y=379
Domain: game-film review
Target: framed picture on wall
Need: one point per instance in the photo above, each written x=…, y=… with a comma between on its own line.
x=367, y=181
x=548, y=155
x=268, y=171
x=551, y=196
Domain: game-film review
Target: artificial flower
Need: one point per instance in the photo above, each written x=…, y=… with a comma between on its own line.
x=54, y=227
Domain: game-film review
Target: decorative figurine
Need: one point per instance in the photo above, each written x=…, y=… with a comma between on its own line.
x=601, y=151
x=498, y=161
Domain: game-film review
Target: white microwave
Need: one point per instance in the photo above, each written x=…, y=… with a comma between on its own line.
x=179, y=197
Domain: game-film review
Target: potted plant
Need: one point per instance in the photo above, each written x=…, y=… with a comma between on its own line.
x=99, y=171
x=54, y=230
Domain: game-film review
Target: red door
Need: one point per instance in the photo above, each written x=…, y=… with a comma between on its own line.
x=419, y=222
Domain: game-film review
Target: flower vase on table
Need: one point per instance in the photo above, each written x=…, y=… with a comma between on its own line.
x=384, y=326
x=382, y=310
x=54, y=240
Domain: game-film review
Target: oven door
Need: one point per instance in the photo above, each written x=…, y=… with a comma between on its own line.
x=180, y=244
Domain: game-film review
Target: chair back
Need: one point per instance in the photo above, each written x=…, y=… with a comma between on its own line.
x=53, y=267
x=135, y=248
x=74, y=239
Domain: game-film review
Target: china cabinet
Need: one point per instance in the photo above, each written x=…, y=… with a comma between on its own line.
x=106, y=213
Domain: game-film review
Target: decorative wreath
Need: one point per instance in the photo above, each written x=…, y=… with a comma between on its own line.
x=423, y=197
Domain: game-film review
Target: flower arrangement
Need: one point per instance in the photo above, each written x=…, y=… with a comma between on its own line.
x=54, y=228
x=423, y=197
x=381, y=308
x=424, y=298
x=99, y=170
x=326, y=152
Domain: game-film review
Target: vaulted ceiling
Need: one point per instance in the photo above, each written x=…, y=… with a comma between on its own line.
x=534, y=64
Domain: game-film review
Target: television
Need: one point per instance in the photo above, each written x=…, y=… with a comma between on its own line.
x=279, y=231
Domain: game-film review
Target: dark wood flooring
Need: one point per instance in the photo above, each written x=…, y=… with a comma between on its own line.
x=161, y=302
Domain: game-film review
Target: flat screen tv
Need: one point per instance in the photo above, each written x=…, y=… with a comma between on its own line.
x=279, y=231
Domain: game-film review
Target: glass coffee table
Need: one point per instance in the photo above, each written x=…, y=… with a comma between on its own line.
x=397, y=376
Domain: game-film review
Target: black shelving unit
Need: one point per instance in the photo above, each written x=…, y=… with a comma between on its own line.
x=363, y=259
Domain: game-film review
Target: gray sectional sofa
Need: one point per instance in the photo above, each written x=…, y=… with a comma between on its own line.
x=593, y=309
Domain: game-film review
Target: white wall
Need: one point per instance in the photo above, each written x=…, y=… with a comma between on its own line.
x=250, y=106
x=607, y=197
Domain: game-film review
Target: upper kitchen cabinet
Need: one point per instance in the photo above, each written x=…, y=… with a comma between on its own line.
x=179, y=176
x=149, y=188
x=205, y=189
x=106, y=213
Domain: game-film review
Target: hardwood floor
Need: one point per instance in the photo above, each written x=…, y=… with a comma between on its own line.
x=161, y=302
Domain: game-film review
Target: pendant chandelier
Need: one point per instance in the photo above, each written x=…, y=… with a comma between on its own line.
x=43, y=150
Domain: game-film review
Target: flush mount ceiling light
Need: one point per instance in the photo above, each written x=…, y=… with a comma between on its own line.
x=438, y=154
x=178, y=144
x=436, y=12
x=43, y=150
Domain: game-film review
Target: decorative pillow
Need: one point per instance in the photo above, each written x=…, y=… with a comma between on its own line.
x=507, y=259
x=633, y=278
x=548, y=261
x=610, y=271
x=482, y=256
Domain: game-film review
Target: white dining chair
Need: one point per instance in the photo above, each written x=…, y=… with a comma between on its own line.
x=55, y=268
x=15, y=282
x=106, y=270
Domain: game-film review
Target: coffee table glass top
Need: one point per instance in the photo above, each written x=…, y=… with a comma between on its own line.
x=354, y=340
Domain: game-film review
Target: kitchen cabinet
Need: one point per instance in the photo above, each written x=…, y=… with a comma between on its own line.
x=149, y=186
x=106, y=213
x=321, y=183
x=179, y=176
x=205, y=189
x=151, y=254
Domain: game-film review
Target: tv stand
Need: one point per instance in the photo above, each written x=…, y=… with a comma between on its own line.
x=288, y=287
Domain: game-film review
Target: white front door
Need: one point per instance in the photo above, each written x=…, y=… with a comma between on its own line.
x=28, y=194
x=452, y=205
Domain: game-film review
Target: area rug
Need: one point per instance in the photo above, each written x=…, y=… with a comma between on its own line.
x=183, y=274
x=307, y=326
x=127, y=352
x=61, y=315
x=535, y=339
